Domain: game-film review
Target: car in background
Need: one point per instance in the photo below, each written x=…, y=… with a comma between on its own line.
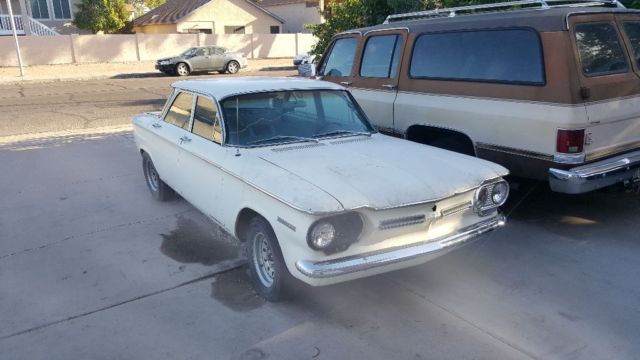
x=293, y=169
x=203, y=58
x=304, y=58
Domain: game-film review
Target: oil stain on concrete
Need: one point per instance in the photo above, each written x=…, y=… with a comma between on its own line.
x=199, y=242
x=233, y=289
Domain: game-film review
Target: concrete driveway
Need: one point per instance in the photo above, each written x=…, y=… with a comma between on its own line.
x=92, y=267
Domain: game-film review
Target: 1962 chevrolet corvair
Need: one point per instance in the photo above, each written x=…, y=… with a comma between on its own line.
x=293, y=168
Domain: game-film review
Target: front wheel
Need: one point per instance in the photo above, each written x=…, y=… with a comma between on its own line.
x=182, y=69
x=269, y=274
x=159, y=189
x=233, y=67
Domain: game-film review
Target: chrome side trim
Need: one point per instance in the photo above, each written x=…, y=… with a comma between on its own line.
x=596, y=175
x=612, y=150
x=513, y=151
x=286, y=223
x=402, y=222
x=363, y=262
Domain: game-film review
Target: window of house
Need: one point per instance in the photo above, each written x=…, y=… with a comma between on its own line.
x=61, y=9
x=600, y=49
x=275, y=29
x=312, y=3
x=235, y=29
x=180, y=112
x=340, y=60
x=205, y=120
x=39, y=9
x=381, y=54
x=632, y=28
x=509, y=56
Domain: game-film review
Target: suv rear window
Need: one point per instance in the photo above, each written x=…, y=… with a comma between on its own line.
x=508, y=56
x=632, y=28
x=340, y=60
x=600, y=49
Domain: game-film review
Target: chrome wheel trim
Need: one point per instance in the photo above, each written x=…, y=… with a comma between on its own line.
x=262, y=259
x=182, y=69
x=233, y=67
x=152, y=177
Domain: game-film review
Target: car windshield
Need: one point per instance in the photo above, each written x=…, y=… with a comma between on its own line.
x=292, y=116
x=189, y=52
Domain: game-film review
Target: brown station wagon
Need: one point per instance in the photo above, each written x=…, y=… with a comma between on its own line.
x=550, y=92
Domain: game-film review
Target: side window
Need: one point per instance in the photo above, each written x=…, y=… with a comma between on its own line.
x=205, y=120
x=201, y=52
x=503, y=56
x=381, y=56
x=340, y=60
x=179, y=113
x=217, y=51
x=632, y=28
x=600, y=49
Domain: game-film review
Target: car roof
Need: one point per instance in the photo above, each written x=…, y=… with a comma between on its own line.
x=553, y=19
x=229, y=86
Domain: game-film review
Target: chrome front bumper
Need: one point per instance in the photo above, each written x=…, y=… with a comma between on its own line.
x=596, y=175
x=427, y=249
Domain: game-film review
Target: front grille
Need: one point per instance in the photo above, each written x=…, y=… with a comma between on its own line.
x=401, y=222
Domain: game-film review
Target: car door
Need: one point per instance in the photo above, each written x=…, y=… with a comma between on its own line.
x=202, y=159
x=200, y=60
x=338, y=63
x=217, y=58
x=170, y=132
x=375, y=83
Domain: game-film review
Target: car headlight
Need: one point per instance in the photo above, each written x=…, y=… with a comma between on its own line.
x=491, y=196
x=336, y=233
x=163, y=63
x=322, y=235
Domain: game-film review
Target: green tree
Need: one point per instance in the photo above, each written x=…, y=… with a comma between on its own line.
x=152, y=4
x=108, y=16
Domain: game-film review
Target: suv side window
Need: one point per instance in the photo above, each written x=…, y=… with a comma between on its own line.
x=340, y=60
x=600, y=49
x=206, y=123
x=503, y=56
x=632, y=28
x=179, y=113
x=381, y=56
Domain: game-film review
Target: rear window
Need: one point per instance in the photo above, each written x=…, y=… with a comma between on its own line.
x=600, y=49
x=632, y=28
x=506, y=56
x=340, y=60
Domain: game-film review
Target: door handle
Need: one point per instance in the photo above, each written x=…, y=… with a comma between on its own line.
x=156, y=125
x=345, y=83
x=390, y=86
x=184, y=139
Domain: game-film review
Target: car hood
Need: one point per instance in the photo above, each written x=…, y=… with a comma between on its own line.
x=380, y=171
x=172, y=58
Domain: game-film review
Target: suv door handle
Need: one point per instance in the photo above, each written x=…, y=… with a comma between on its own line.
x=346, y=83
x=156, y=125
x=390, y=86
x=184, y=139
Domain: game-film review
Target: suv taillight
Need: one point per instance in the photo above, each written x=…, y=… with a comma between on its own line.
x=570, y=141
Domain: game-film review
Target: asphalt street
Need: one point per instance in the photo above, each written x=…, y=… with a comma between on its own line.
x=91, y=267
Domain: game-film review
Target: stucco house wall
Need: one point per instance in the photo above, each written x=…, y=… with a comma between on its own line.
x=296, y=16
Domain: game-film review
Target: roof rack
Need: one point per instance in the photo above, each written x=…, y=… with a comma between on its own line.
x=544, y=4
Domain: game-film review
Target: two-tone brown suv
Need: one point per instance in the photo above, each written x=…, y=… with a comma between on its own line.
x=550, y=92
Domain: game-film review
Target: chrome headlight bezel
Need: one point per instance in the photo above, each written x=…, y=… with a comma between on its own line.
x=490, y=196
x=347, y=228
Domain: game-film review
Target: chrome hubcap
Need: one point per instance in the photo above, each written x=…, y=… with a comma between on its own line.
x=263, y=260
x=152, y=177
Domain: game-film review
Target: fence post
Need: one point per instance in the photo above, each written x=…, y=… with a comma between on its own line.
x=297, y=47
x=137, y=47
x=252, y=53
x=74, y=59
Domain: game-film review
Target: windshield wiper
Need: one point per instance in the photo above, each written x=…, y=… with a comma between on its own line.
x=341, y=132
x=283, y=137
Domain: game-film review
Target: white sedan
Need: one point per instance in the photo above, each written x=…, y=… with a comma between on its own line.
x=292, y=168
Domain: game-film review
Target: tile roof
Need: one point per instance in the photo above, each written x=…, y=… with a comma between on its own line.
x=173, y=11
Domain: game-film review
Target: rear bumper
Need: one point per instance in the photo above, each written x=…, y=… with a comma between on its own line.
x=596, y=175
x=411, y=254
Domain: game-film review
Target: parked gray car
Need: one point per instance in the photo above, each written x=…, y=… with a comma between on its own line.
x=203, y=58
